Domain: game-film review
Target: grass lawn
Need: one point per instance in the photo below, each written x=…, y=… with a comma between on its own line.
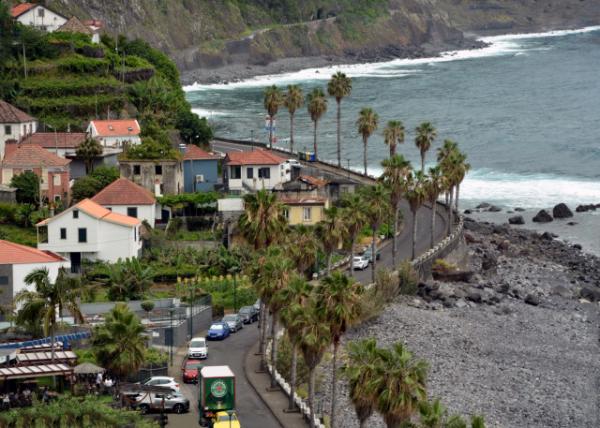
x=20, y=235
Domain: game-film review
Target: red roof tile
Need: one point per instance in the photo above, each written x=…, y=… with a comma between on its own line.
x=97, y=211
x=11, y=253
x=193, y=152
x=11, y=114
x=61, y=140
x=314, y=181
x=20, y=9
x=124, y=192
x=31, y=155
x=255, y=157
x=116, y=128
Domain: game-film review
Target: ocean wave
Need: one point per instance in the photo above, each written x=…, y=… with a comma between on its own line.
x=556, y=33
x=208, y=113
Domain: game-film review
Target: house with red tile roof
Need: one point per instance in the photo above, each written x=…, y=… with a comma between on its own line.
x=254, y=170
x=125, y=197
x=200, y=169
x=306, y=210
x=90, y=231
x=17, y=261
x=52, y=170
x=14, y=124
x=38, y=16
x=115, y=133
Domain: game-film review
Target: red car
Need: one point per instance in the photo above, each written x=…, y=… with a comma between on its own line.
x=190, y=370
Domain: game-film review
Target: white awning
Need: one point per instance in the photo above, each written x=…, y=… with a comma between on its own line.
x=27, y=372
x=34, y=357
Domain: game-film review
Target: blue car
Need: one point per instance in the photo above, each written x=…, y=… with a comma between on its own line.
x=218, y=331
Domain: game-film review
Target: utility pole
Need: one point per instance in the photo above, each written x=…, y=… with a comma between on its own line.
x=24, y=59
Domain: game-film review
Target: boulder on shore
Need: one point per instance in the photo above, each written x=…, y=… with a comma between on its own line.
x=542, y=217
x=562, y=211
x=494, y=209
x=517, y=219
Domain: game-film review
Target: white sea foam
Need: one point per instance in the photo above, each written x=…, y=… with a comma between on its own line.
x=499, y=45
x=208, y=113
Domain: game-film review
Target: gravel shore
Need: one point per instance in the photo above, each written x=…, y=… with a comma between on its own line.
x=518, y=342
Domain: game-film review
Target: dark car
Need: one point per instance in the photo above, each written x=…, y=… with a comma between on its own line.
x=218, y=331
x=248, y=314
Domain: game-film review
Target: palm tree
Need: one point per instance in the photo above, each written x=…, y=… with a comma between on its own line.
x=332, y=232
x=400, y=385
x=426, y=133
x=447, y=159
x=415, y=195
x=362, y=358
x=119, y=344
x=47, y=301
x=462, y=167
x=432, y=414
x=367, y=124
x=393, y=134
x=376, y=204
x=273, y=99
x=354, y=219
x=339, y=297
x=339, y=86
x=128, y=279
x=303, y=247
x=434, y=186
x=89, y=150
x=317, y=106
x=263, y=221
x=395, y=171
x=294, y=99
x=295, y=294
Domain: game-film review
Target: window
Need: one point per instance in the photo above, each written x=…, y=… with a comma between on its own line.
x=56, y=198
x=132, y=211
x=306, y=214
x=63, y=233
x=286, y=213
x=236, y=172
x=158, y=169
x=135, y=233
x=56, y=179
x=82, y=234
x=109, y=208
x=264, y=173
x=41, y=12
x=137, y=170
x=3, y=280
x=7, y=129
x=75, y=213
x=249, y=172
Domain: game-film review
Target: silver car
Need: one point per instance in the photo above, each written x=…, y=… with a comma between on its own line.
x=234, y=321
x=172, y=401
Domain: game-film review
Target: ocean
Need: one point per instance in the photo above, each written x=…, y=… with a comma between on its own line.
x=525, y=109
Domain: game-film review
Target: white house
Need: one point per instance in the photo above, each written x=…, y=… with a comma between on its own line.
x=90, y=231
x=255, y=170
x=17, y=261
x=125, y=197
x=115, y=133
x=38, y=16
x=14, y=124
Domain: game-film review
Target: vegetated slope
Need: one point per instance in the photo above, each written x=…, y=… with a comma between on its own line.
x=216, y=33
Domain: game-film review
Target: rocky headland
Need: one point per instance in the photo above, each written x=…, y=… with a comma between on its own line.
x=518, y=341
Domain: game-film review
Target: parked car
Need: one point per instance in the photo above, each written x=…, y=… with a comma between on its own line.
x=360, y=262
x=189, y=370
x=234, y=321
x=225, y=420
x=164, y=381
x=248, y=314
x=218, y=330
x=368, y=253
x=174, y=402
x=197, y=348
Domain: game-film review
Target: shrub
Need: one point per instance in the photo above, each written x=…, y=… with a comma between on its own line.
x=28, y=187
x=443, y=266
x=147, y=305
x=8, y=212
x=408, y=279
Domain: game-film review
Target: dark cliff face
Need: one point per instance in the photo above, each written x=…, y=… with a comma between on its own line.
x=217, y=33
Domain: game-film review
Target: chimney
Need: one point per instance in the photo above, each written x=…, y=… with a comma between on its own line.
x=182, y=148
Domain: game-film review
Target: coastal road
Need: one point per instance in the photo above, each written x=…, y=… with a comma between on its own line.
x=231, y=352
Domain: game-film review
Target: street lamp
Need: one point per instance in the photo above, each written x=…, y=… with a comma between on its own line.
x=192, y=298
x=233, y=270
x=171, y=311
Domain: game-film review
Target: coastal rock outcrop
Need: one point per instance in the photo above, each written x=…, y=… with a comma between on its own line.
x=542, y=216
x=562, y=211
x=517, y=219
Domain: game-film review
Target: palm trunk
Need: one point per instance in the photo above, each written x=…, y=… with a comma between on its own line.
x=329, y=257
x=334, y=384
x=450, y=211
x=52, y=341
x=365, y=142
x=433, y=212
x=293, y=375
x=423, y=163
x=273, y=349
x=414, y=237
x=339, y=142
x=311, y=396
x=352, y=256
x=395, y=229
x=363, y=424
x=373, y=256
x=392, y=150
x=292, y=134
x=457, y=192
x=270, y=132
x=315, y=139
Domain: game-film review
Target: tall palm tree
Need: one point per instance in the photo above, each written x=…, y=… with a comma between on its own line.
x=295, y=294
x=434, y=185
x=415, y=195
x=302, y=246
x=426, y=133
x=47, y=301
x=448, y=163
x=294, y=99
x=354, y=219
x=360, y=368
x=263, y=220
x=367, y=124
x=461, y=169
x=273, y=99
x=400, y=382
x=339, y=297
x=89, y=150
x=393, y=134
x=332, y=232
x=317, y=106
x=119, y=344
x=377, y=206
x=339, y=87
x=395, y=171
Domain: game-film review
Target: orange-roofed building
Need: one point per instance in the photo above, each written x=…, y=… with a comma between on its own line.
x=90, y=231
x=17, y=261
x=115, y=133
x=254, y=170
x=38, y=16
x=125, y=197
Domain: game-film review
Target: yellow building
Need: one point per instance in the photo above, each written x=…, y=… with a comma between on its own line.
x=307, y=210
